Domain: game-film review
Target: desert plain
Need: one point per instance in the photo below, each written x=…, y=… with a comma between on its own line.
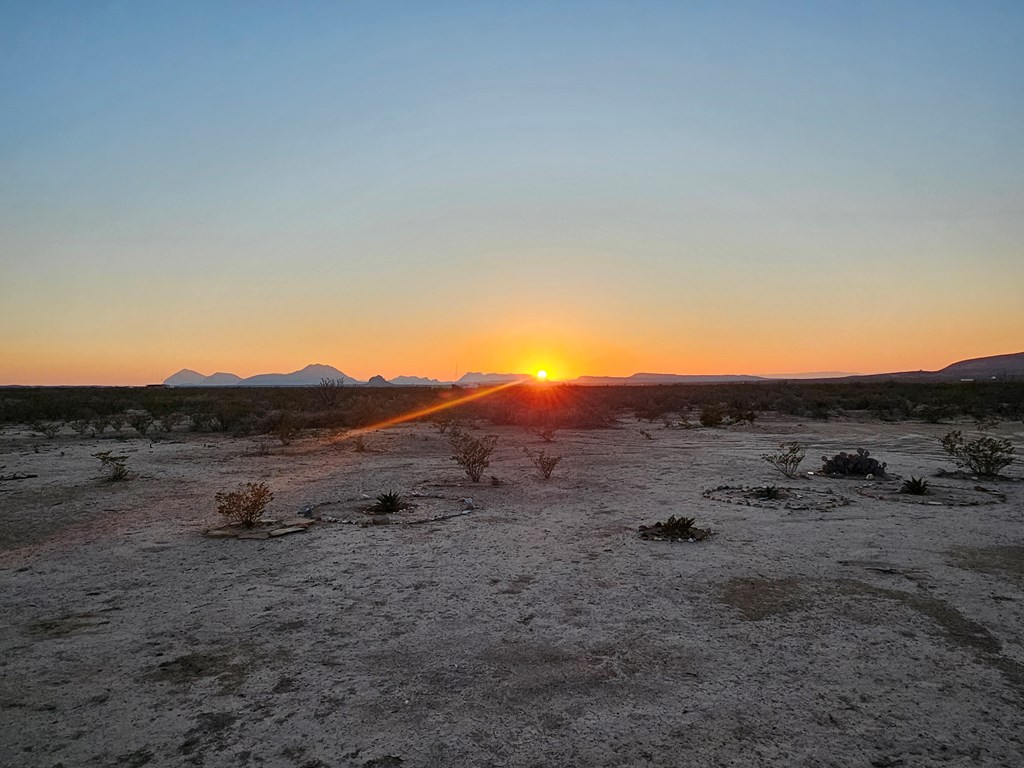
x=535, y=630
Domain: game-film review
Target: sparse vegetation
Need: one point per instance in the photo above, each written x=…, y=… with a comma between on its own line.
x=49, y=428
x=546, y=433
x=788, y=458
x=915, y=486
x=859, y=464
x=544, y=463
x=328, y=392
x=140, y=421
x=388, y=504
x=769, y=492
x=472, y=454
x=359, y=444
x=115, y=467
x=985, y=456
x=712, y=415
x=246, y=505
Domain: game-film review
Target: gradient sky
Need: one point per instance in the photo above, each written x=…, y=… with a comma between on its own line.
x=590, y=187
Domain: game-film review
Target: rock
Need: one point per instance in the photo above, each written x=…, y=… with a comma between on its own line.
x=254, y=535
x=468, y=504
x=290, y=529
x=305, y=522
x=221, y=533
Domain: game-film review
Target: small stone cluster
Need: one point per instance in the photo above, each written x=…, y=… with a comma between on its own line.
x=859, y=464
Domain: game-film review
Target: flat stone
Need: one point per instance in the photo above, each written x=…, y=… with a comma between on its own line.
x=289, y=529
x=305, y=522
x=222, y=533
x=254, y=535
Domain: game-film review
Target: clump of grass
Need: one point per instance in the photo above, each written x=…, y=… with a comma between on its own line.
x=115, y=466
x=472, y=454
x=788, y=458
x=359, y=444
x=985, y=456
x=770, y=492
x=916, y=486
x=388, y=504
x=544, y=463
x=245, y=505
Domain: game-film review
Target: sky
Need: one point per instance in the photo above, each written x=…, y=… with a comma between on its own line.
x=432, y=188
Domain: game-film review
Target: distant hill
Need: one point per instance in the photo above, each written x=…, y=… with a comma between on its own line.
x=997, y=366
x=994, y=367
x=307, y=377
x=492, y=378
x=644, y=379
x=416, y=381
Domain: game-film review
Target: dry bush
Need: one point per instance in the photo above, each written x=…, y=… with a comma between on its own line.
x=788, y=458
x=544, y=463
x=712, y=415
x=547, y=434
x=328, y=392
x=985, y=456
x=114, y=466
x=244, y=506
x=140, y=421
x=471, y=454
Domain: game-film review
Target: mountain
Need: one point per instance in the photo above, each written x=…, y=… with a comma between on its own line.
x=416, y=381
x=309, y=376
x=186, y=377
x=221, y=379
x=492, y=378
x=379, y=381
x=644, y=379
x=996, y=366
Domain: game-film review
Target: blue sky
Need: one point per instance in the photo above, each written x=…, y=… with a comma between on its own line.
x=690, y=187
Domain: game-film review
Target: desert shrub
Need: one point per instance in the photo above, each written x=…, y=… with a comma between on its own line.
x=116, y=421
x=115, y=466
x=284, y=425
x=544, y=463
x=986, y=422
x=79, y=426
x=471, y=454
x=328, y=392
x=712, y=415
x=359, y=444
x=170, y=420
x=99, y=424
x=389, y=503
x=49, y=428
x=771, y=492
x=677, y=526
x=246, y=504
x=986, y=456
x=647, y=435
x=545, y=433
x=859, y=464
x=936, y=414
x=788, y=458
x=915, y=486
x=739, y=413
x=140, y=421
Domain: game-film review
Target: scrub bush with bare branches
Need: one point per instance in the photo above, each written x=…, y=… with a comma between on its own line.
x=245, y=505
x=787, y=459
x=544, y=463
x=472, y=454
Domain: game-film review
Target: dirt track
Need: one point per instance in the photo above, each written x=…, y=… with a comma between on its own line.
x=536, y=631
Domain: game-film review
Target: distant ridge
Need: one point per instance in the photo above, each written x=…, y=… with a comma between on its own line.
x=1009, y=366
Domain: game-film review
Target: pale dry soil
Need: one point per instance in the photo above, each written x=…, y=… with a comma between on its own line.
x=536, y=631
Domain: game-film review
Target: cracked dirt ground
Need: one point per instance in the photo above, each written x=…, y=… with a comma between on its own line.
x=536, y=631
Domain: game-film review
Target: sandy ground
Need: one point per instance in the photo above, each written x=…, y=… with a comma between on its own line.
x=539, y=630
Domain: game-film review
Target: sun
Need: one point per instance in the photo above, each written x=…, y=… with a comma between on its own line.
x=542, y=375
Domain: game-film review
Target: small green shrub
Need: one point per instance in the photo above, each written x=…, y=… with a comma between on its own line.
x=114, y=466
x=787, y=460
x=388, y=504
x=985, y=456
x=915, y=486
x=244, y=506
x=471, y=454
